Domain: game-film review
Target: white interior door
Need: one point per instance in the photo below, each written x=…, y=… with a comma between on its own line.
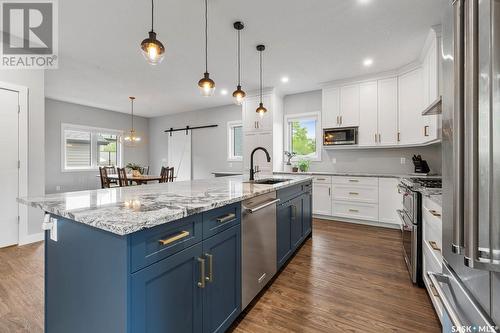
x=9, y=168
x=179, y=154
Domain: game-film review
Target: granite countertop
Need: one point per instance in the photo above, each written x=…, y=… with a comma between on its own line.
x=126, y=210
x=356, y=174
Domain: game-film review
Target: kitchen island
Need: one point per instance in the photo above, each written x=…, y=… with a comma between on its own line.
x=157, y=258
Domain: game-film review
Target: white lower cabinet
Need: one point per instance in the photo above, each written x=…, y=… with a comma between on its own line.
x=389, y=200
x=431, y=248
x=322, y=190
x=369, y=199
x=355, y=210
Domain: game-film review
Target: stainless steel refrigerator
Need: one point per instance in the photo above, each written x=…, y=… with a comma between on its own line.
x=469, y=286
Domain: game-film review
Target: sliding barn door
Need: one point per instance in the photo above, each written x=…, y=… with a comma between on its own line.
x=179, y=154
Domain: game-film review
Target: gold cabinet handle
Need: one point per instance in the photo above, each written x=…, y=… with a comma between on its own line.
x=379, y=138
x=435, y=213
x=353, y=193
x=434, y=246
x=399, y=136
x=181, y=235
x=226, y=218
x=341, y=120
x=375, y=137
x=210, y=277
x=354, y=180
x=201, y=283
x=353, y=210
x=320, y=179
x=338, y=122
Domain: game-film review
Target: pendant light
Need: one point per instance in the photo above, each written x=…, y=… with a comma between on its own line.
x=152, y=49
x=131, y=139
x=261, y=109
x=239, y=94
x=206, y=84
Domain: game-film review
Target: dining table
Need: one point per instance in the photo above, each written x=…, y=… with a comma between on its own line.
x=139, y=180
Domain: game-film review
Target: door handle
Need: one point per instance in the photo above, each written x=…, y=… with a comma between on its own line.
x=210, y=277
x=426, y=130
x=201, y=283
x=399, y=136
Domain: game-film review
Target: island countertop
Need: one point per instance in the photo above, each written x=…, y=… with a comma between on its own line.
x=125, y=210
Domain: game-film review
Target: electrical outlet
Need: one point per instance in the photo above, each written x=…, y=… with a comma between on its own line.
x=230, y=165
x=403, y=160
x=58, y=188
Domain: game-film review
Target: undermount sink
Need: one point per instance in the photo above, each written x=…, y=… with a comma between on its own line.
x=269, y=181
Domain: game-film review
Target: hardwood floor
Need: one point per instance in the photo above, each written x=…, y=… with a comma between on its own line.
x=348, y=278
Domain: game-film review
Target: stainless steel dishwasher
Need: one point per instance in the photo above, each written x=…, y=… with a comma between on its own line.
x=258, y=237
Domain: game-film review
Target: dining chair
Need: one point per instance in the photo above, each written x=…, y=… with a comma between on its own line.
x=122, y=177
x=145, y=170
x=104, y=177
x=111, y=170
x=163, y=174
x=170, y=174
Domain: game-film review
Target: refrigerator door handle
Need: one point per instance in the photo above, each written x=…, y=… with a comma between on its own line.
x=471, y=108
x=458, y=128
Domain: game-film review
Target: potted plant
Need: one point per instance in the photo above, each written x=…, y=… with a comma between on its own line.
x=135, y=168
x=304, y=165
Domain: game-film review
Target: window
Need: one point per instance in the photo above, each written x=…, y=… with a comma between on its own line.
x=87, y=148
x=235, y=141
x=303, y=135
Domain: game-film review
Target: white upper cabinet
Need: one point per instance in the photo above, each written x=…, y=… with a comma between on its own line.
x=349, y=106
x=430, y=67
x=388, y=111
x=368, y=114
x=252, y=121
x=331, y=106
x=411, y=122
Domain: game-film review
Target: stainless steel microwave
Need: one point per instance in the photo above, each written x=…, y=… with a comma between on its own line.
x=340, y=136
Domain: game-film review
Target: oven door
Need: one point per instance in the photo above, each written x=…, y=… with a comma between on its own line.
x=408, y=200
x=409, y=239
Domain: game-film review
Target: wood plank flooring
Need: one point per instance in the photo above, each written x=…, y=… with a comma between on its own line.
x=347, y=278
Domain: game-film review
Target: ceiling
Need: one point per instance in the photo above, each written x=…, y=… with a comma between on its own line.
x=310, y=41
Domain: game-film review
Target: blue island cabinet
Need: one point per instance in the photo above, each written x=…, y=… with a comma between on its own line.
x=294, y=220
x=181, y=276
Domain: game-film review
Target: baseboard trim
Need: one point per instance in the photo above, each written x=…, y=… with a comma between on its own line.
x=31, y=239
x=364, y=222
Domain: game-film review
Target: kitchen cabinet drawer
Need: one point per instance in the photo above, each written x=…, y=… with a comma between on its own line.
x=432, y=223
x=342, y=180
x=152, y=245
x=220, y=219
x=322, y=179
x=431, y=264
x=368, y=194
x=291, y=192
x=355, y=210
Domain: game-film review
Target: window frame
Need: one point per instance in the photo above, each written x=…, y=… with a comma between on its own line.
x=230, y=140
x=94, y=131
x=289, y=118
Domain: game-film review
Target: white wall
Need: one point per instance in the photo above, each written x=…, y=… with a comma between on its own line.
x=58, y=112
x=365, y=160
x=209, y=146
x=34, y=81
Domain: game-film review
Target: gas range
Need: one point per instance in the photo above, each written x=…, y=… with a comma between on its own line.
x=416, y=183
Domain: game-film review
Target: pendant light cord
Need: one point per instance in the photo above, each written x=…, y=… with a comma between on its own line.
x=206, y=36
x=261, y=76
x=132, y=113
x=152, y=15
x=239, y=60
